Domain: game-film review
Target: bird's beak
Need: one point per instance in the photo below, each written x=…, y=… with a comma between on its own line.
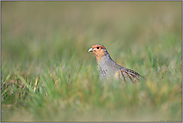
x=90, y=50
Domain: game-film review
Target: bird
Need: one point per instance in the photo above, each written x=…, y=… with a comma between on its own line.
x=110, y=69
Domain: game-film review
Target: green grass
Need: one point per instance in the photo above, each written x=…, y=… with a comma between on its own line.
x=48, y=75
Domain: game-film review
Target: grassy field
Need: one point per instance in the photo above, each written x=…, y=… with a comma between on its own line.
x=48, y=75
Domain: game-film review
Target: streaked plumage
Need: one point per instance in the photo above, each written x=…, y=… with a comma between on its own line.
x=109, y=69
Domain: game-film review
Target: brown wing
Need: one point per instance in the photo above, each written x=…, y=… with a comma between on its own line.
x=128, y=75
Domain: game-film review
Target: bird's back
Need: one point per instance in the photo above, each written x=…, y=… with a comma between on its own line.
x=110, y=69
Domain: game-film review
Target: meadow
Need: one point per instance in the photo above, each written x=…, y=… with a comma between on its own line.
x=48, y=75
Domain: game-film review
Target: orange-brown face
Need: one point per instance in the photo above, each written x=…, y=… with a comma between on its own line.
x=98, y=50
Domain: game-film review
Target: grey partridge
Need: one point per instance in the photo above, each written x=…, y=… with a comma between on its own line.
x=109, y=69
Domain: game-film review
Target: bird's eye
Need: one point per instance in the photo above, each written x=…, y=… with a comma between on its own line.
x=97, y=47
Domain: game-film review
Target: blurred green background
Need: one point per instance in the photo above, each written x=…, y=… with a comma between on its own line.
x=48, y=75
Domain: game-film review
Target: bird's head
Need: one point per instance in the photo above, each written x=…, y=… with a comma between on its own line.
x=99, y=51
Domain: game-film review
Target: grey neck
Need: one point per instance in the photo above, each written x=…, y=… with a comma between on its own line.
x=105, y=59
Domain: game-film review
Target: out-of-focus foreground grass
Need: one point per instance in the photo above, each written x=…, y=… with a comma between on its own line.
x=48, y=75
